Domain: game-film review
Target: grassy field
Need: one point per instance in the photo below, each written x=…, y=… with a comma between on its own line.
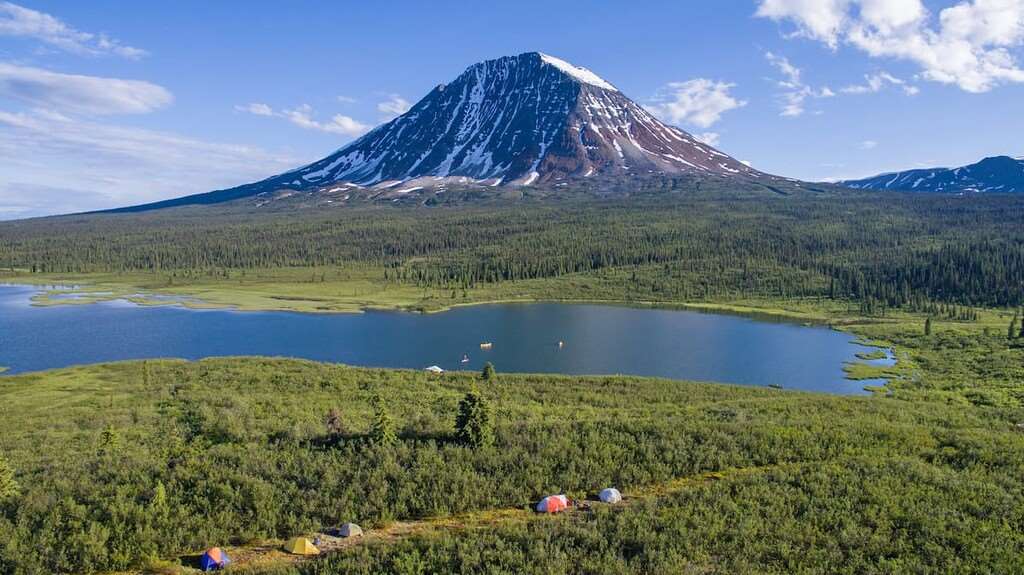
x=143, y=463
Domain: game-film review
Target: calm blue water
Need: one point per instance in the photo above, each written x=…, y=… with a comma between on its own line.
x=598, y=339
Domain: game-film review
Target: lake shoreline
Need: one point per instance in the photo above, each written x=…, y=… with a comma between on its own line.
x=682, y=347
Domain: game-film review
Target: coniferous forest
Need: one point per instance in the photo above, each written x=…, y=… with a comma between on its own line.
x=882, y=250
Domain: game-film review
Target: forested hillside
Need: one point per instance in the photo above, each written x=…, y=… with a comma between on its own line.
x=883, y=250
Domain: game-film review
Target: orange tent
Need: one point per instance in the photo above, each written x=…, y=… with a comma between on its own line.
x=553, y=504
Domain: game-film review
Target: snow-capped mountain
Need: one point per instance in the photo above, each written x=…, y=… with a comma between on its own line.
x=999, y=174
x=524, y=119
x=530, y=120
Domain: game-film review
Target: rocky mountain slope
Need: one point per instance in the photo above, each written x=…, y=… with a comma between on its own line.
x=1000, y=174
x=530, y=120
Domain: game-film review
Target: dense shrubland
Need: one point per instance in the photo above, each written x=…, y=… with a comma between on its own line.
x=119, y=464
x=857, y=516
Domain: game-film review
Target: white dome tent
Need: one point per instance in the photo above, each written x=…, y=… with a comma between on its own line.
x=610, y=495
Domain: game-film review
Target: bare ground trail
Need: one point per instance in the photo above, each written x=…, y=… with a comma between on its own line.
x=270, y=553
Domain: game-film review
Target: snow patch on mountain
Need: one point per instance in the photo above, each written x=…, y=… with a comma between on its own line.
x=579, y=72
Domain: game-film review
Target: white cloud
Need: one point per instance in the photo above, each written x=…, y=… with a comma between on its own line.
x=302, y=117
x=700, y=102
x=256, y=109
x=794, y=93
x=17, y=20
x=106, y=165
x=338, y=124
x=709, y=138
x=394, y=106
x=868, y=145
x=25, y=200
x=80, y=94
x=968, y=45
x=820, y=19
x=875, y=82
x=347, y=100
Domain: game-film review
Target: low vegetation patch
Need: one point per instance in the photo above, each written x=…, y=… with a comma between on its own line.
x=156, y=460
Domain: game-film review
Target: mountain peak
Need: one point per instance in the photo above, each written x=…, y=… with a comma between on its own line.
x=578, y=72
x=526, y=120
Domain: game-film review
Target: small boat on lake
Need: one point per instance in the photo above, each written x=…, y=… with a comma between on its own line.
x=486, y=345
x=465, y=358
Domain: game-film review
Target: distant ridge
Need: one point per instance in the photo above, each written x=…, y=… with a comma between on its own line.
x=998, y=174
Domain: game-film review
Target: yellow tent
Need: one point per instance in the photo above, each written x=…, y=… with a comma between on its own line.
x=301, y=546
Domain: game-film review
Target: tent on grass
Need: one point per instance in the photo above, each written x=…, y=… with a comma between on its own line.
x=350, y=530
x=301, y=546
x=610, y=495
x=553, y=504
x=213, y=559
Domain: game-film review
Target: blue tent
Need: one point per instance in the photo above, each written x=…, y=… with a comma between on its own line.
x=214, y=559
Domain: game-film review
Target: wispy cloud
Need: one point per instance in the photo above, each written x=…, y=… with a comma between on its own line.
x=106, y=165
x=876, y=82
x=709, y=138
x=394, y=106
x=302, y=116
x=17, y=20
x=968, y=44
x=80, y=94
x=256, y=109
x=794, y=93
x=700, y=102
x=868, y=145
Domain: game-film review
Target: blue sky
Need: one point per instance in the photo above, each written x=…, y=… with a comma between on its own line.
x=106, y=103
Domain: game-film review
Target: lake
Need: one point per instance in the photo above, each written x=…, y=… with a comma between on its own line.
x=597, y=339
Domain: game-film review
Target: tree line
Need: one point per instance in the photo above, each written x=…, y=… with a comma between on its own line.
x=891, y=249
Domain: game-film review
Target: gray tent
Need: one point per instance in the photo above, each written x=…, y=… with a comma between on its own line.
x=610, y=495
x=350, y=530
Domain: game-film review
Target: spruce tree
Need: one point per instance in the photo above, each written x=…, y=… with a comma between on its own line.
x=110, y=442
x=383, y=430
x=488, y=374
x=928, y=326
x=473, y=424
